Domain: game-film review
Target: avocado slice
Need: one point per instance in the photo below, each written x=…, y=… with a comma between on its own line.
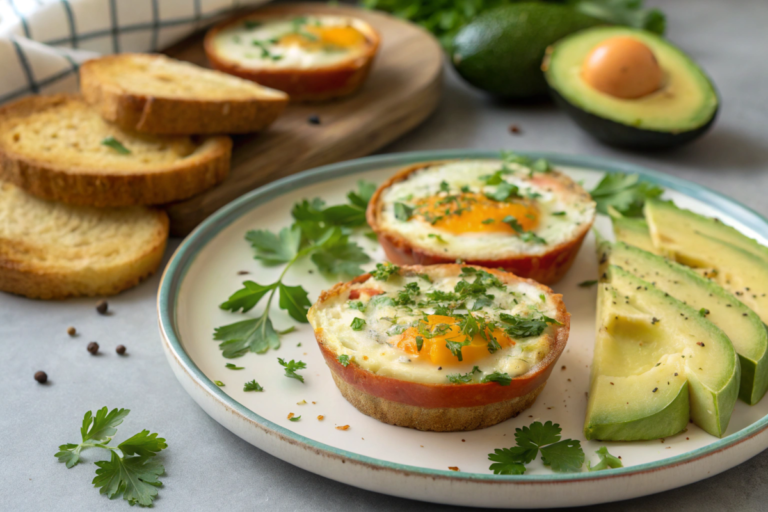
x=743, y=327
x=633, y=232
x=500, y=51
x=681, y=110
x=735, y=261
x=657, y=362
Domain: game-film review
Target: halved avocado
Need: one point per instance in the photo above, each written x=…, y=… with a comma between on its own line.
x=743, y=327
x=682, y=109
x=734, y=261
x=657, y=362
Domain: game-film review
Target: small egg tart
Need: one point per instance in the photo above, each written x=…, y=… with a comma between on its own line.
x=482, y=212
x=440, y=348
x=312, y=54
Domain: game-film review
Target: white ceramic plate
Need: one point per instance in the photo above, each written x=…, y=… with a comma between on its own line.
x=400, y=461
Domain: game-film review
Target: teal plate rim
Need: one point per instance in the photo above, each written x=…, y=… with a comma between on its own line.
x=186, y=252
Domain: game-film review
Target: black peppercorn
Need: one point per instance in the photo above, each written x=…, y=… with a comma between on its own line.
x=313, y=119
x=41, y=377
x=93, y=347
x=102, y=307
x=120, y=349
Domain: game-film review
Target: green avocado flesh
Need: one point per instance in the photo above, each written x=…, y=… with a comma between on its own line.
x=501, y=50
x=742, y=326
x=686, y=101
x=657, y=363
x=736, y=262
x=633, y=232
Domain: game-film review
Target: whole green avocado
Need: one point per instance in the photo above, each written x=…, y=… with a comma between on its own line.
x=501, y=50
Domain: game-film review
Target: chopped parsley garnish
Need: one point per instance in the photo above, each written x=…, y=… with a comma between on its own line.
x=444, y=187
x=456, y=346
x=234, y=366
x=384, y=271
x=419, y=342
x=466, y=378
x=403, y=212
x=504, y=191
x=558, y=214
x=561, y=456
x=116, y=145
x=525, y=236
x=425, y=277
x=291, y=367
x=607, y=461
x=526, y=327
x=493, y=344
x=488, y=221
x=500, y=378
x=358, y=324
x=131, y=470
x=343, y=359
x=588, y=283
x=625, y=193
x=294, y=418
x=252, y=386
x=356, y=304
x=437, y=237
x=530, y=236
x=219, y=383
x=533, y=165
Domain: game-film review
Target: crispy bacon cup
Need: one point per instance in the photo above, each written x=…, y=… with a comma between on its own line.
x=312, y=57
x=440, y=348
x=495, y=214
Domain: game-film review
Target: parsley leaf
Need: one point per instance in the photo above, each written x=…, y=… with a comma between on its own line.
x=294, y=418
x=136, y=478
x=563, y=456
x=231, y=366
x=247, y=297
x=624, y=12
x=343, y=359
x=533, y=165
x=358, y=324
x=383, y=271
x=538, y=434
x=588, y=283
x=403, y=212
x=294, y=299
x=362, y=197
x=291, y=367
x=501, y=378
x=116, y=145
x=252, y=386
x=337, y=255
x=254, y=335
x=131, y=470
x=219, y=383
x=456, y=346
x=437, y=237
x=607, y=461
x=356, y=304
x=625, y=193
x=274, y=249
x=511, y=461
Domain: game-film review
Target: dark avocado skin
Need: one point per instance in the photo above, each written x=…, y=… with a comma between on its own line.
x=625, y=136
x=501, y=50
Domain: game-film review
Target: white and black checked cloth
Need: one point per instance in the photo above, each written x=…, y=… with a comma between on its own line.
x=42, y=42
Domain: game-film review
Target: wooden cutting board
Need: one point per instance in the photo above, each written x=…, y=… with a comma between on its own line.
x=402, y=90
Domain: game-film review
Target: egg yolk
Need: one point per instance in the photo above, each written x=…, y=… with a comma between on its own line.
x=445, y=329
x=475, y=213
x=316, y=38
x=623, y=67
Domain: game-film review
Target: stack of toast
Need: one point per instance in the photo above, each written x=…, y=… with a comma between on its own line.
x=81, y=175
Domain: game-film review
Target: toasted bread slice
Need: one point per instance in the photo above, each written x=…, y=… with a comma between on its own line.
x=157, y=94
x=51, y=250
x=59, y=148
x=311, y=54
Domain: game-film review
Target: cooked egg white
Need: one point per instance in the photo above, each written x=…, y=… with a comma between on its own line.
x=369, y=324
x=298, y=42
x=454, y=208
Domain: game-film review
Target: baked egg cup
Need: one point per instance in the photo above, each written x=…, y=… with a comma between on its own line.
x=310, y=56
x=440, y=348
x=447, y=211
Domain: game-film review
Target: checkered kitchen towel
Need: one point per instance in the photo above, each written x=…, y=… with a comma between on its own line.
x=42, y=42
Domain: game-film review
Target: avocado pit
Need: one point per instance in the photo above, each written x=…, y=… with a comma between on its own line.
x=623, y=67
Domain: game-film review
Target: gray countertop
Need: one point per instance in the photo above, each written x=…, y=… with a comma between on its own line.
x=207, y=467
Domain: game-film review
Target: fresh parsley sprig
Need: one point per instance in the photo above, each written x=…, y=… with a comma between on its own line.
x=320, y=232
x=131, y=470
x=561, y=455
x=291, y=367
x=625, y=193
